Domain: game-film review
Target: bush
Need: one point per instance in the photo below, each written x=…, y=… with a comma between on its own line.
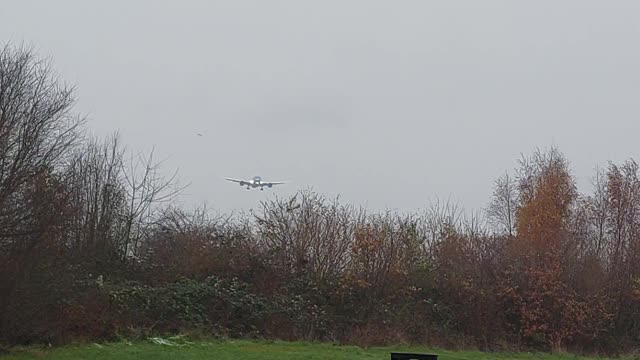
x=221, y=306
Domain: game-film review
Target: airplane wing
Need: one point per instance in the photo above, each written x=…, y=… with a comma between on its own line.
x=236, y=180
x=275, y=182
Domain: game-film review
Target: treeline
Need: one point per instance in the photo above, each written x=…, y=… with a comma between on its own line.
x=92, y=248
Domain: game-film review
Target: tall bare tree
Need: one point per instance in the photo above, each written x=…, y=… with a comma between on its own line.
x=99, y=198
x=37, y=128
x=115, y=197
x=502, y=209
x=146, y=188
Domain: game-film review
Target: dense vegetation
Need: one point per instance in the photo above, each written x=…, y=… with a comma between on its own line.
x=91, y=248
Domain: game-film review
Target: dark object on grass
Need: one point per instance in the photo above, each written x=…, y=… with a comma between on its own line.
x=410, y=356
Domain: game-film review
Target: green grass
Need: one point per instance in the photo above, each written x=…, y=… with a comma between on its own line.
x=250, y=350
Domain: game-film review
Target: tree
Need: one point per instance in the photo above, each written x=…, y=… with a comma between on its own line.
x=547, y=192
x=309, y=232
x=502, y=210
x=37, y=128
x=542, y=253
x=99, y=199
x=115, y=199
x=623, y=198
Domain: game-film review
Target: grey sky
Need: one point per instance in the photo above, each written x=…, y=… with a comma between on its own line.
x=388, y=103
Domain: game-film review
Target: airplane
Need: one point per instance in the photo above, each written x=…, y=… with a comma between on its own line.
x=255, y=182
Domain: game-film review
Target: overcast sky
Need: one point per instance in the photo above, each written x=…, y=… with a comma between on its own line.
x=389, y=104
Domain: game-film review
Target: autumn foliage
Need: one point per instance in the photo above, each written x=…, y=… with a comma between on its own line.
x=92, y=247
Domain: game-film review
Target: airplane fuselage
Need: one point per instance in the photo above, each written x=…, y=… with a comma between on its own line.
x=254, y=183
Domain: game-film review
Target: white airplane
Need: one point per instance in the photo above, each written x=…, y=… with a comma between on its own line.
x=256, y=182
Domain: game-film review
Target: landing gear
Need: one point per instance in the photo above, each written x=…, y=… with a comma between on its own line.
x=261, y=189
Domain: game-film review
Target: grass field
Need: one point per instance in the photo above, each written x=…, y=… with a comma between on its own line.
x=248, y=350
